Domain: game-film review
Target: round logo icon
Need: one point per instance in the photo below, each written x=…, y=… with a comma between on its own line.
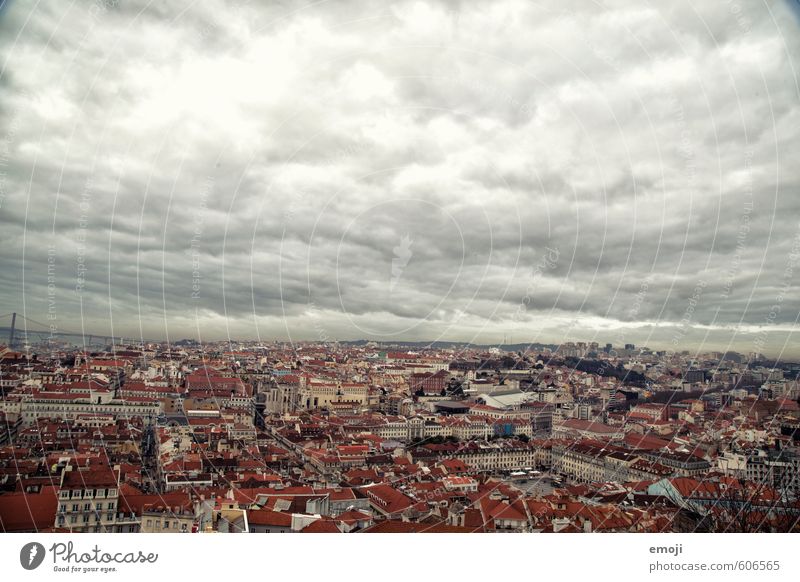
x=31, y=555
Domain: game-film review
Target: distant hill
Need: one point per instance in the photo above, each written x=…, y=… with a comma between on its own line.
x=446, y=344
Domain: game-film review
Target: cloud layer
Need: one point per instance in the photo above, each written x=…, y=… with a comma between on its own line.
x=617, y=171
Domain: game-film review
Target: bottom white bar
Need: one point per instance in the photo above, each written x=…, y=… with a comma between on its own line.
x=333, y=557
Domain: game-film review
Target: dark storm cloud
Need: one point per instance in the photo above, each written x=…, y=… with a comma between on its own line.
x=416, y=170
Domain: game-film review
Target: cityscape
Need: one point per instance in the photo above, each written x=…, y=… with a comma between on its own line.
x=413, y=266
x=362, y=437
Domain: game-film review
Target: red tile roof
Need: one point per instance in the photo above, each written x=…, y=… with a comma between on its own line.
x=397, y=526
x=388, y=499
x=321, y=526
x=267, y=517
x=98, y=477
x=28, y=512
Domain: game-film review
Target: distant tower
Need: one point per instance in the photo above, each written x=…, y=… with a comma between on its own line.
x=13, y=329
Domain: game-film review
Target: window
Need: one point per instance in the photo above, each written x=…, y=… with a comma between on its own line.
x=149, y=523
x=74, y=507
x=63, y=507
x=73, y=519
x=87, y=506
x=110, y=517
x=166, y=524
x=99, y=507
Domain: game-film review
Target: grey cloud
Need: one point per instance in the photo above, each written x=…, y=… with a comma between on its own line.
x=284, y=152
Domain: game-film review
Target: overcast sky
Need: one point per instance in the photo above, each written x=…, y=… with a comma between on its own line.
x=621, y=172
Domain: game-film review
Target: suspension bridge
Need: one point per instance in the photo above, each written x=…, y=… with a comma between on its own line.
x=23, y=330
